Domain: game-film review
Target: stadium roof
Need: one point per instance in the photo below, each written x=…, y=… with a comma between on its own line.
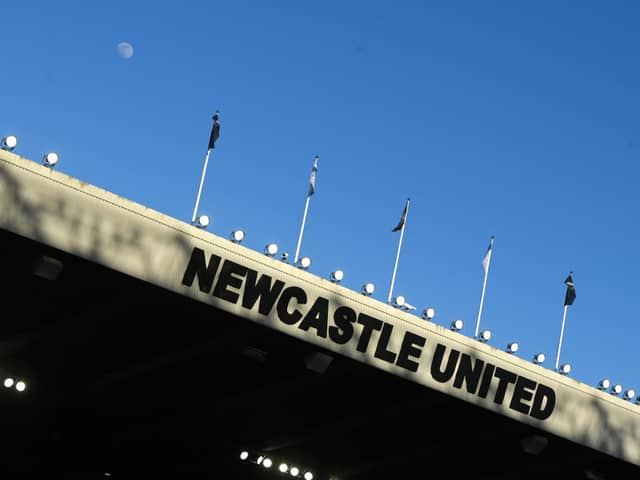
x=152, y=348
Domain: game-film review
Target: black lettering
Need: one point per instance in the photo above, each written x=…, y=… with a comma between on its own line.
x=198, y=266
x=409, y=348
x=437, y=373
x=317, y=317
x=369, y=324
x=227, y=279
x=487, y=376
x=381, y=349
x=469, y=373
x=504, y=379
x=261, y=289
x=341, y=333
x=290, y=318
x=543, y=402
x=522, y=392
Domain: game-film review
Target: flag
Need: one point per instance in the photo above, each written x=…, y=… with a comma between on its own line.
x=312, y=178
x=403, y=218
x=487, y=257
x=215, y=130
x=570, y=296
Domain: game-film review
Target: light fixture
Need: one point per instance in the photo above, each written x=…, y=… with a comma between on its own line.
x=368, y=289
x=485, y=336
x=50, y=159
x=20, y=386
x=9, y=142
x=283, y=467
x=428, y=313
x=604, y=384
x=539, y=358
x=8, y=382
x=266, y=463
x=457, y=325
x=513, y=347
x=202, y=221
x=399, y=301
x=294, y=471
x=629, y=394
x=244, y=455
x=337, y=276
x=616, y=389
x=308, y=475
x=304, y=263
x=565, y=369
x=237, y=236
x=284, y=256
x=270, y=249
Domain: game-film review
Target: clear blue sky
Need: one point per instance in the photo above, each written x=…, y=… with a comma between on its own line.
x=513, y=119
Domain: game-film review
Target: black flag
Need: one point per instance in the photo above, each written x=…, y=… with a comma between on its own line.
x=570, y=296
x=215, y=130
x=403, y=218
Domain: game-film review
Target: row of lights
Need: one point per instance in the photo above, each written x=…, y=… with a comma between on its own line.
x=629, y=394
x=283, y=467
x=20, y=385
x=399, y=301
x=11, y=141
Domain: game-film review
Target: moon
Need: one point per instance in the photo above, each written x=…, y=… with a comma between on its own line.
x=125, y=50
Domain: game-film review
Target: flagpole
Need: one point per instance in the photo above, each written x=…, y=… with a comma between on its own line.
x=395, y=266
x=564, y=316
x=484, y=287
x=204, y=171
x=215, y=133
x=304, y=218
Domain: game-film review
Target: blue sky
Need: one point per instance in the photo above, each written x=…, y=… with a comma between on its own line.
x=512, y=119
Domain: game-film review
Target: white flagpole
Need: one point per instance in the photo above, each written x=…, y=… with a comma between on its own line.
x=304, y=218
x=395, y=266
x=484, y=287
x=564, y=316
x=312, y=188
x=204, y=171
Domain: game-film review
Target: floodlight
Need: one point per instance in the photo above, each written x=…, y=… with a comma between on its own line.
x=368, y=289
x=271, y=249
x=308, y=475
x=539, y=358
x=304, y=263
x=513, y=347
x=457, y=325
x=237, y=236
x=9, y=142
x=20, y=386
x=428, y=313
x=283, y=467
x=399, y=301
x=244, y=455
x=629, y=394
x=485, y=336
x=565, y=369
x=337, y=276
x=604, y=384
x=8, y=382
x=267, y=462
x=294, y=471
x=50, y=159
x=202, y=221
x=616, y=389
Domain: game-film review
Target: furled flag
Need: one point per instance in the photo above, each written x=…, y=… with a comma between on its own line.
x=403, y=218
x=215, y=130
x=487, y=257
x=312, y=178
x=570, y=296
